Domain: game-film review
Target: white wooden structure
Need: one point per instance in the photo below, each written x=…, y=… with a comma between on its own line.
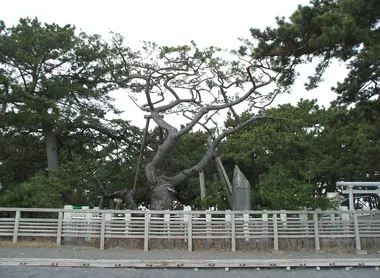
x=354, y=187
x=191, y=225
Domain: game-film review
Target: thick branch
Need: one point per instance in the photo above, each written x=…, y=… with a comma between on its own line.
x=149, y=80
x=170, y=89
x=203, y=111
x=147, y=94
x=177, y=101
x=179, y=178
x=201, y=124
x=102, y=130
x=141, y=153
x=154, y=103
x=162, y=123
x=174, y=104
x=165, y=148
x=224, y=94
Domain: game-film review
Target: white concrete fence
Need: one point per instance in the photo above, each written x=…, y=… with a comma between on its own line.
x=190, y=225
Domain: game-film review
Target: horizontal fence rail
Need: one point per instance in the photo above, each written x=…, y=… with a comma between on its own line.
x=247, y=228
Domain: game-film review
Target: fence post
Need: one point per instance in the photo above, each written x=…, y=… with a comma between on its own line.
x=351, y=197
x=208, y=223
x=264, y=218
x=146, y=231
x=304, y=222
x=103, y=230
x=208, y=228
x=284, y=218
x=167, y=225
x=275, y=232
x=17, y=224
x=59, y=229
x=233, y=232
x=128, y=218
x=87, y=218
x=316, y=232
x=345, y=218
x=357, y=235
x=246, y=226
x=190, y=233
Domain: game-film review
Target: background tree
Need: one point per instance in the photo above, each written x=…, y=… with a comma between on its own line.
x=54, y=83
x=327, y=31
x=54, y=90
x=285, y=148
x=91, y=167
x=21, y=156
x=315, y=147
x=280, y=189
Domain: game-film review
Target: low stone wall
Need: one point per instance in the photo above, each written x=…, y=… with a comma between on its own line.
x=224, y=245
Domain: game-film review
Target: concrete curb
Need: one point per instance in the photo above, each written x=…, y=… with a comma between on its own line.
x=250, y=263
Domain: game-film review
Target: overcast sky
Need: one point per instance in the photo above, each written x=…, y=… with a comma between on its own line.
x=172, y=22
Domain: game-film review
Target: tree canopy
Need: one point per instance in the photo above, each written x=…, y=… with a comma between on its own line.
x=326, y=31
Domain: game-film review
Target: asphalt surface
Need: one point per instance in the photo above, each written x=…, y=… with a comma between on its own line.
x=79, y=252
x=57, y=272
x=75, y=252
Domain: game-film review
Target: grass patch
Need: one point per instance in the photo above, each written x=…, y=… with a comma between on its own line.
x=27, y=244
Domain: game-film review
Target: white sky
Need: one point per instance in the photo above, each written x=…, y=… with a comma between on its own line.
x=172, y=22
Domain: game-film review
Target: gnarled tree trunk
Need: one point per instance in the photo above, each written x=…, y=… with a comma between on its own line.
x=162, y=187
x=162, y=192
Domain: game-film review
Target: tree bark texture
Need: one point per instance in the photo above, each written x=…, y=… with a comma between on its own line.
x=162, y=192
x=51, y=146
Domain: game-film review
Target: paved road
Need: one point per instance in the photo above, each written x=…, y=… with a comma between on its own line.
x=71, y=252
x=80, y=252
x=58, y=272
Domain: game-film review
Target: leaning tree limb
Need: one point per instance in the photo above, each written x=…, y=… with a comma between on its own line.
x=141, y=152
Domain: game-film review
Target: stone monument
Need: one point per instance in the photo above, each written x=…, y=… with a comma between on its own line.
x=241, y=191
